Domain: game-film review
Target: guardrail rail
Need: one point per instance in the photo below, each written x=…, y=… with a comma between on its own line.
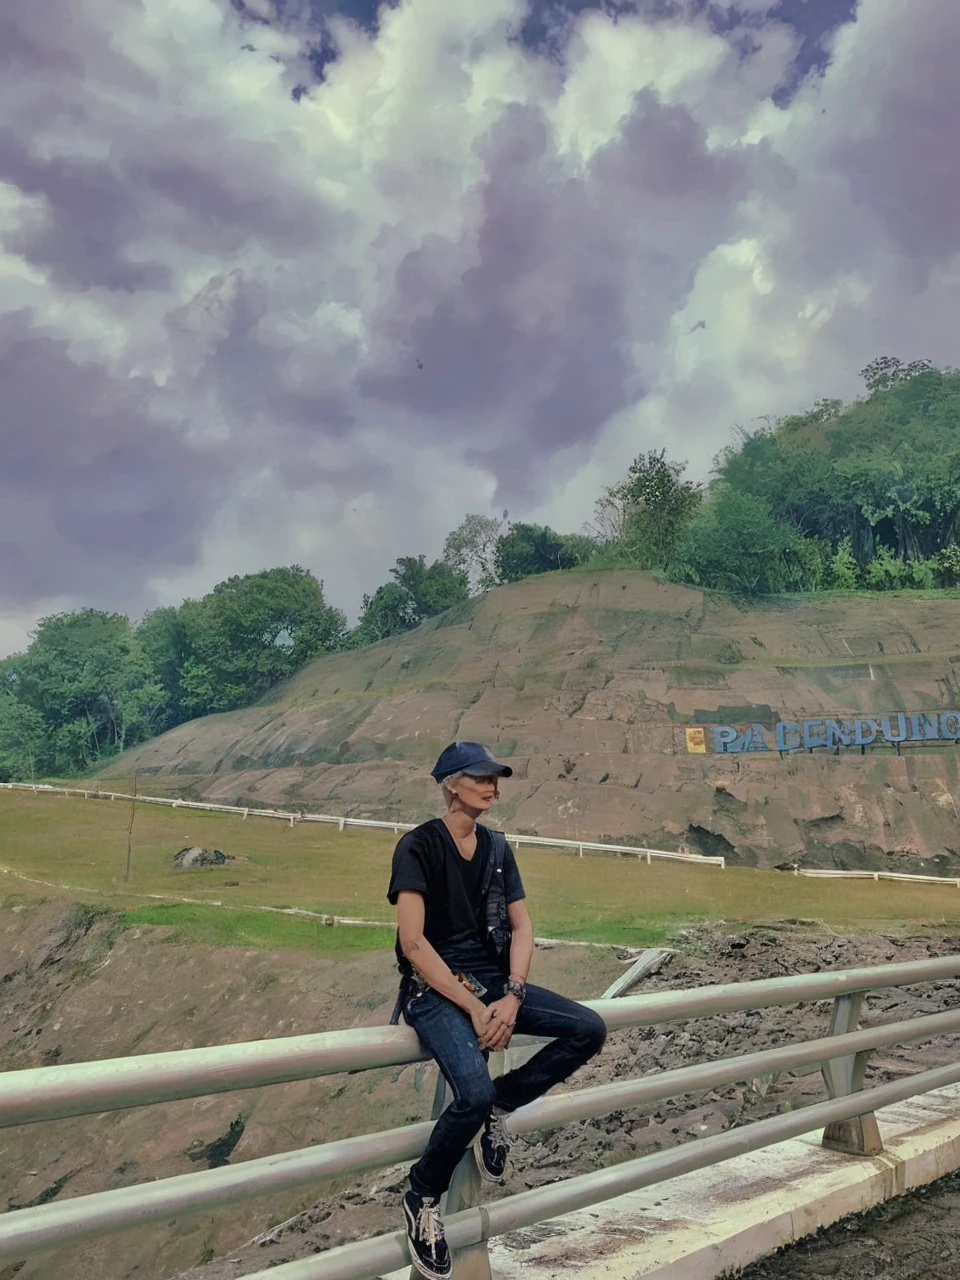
x=847, y=1117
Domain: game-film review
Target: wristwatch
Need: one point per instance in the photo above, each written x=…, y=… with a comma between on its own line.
x=512, y=988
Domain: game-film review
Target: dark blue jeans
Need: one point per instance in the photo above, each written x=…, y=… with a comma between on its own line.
x=443, y=1028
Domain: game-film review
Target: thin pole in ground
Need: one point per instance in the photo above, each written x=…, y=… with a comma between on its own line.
x=133, y=814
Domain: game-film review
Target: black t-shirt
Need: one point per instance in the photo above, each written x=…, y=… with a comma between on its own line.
x=427, y=861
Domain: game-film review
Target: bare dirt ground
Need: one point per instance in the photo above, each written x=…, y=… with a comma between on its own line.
x=914, y=1238
x=74, y=988
x=587, y=681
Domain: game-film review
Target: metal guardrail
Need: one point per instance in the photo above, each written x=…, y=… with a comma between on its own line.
x=825, y=873
x=53, y=1093
x=48, y=1093
x=475, y=1226
x=642, y=854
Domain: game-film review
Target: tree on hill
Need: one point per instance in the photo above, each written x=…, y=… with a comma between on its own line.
x=163, y=637
x=882, y=373
x=881, y=472
x=24, y=745
x=432, y=590
x=736, y=544
x=471, y=549
x=87, y=682
x=250, y=632
x=532, y=548
x=420, y=591
x=657, y=505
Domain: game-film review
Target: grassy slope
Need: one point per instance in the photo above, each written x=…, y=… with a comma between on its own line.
x=585, y=681
x=82, y=844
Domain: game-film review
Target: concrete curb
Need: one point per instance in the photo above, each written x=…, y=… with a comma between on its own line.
x=715, y=1220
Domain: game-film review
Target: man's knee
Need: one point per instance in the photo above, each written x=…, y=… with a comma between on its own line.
x=476, y=1097
x=594, y=1033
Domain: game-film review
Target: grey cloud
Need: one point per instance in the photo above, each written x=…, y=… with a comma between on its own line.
x=906, y=169
x=93, y=487
x=93, y=217
x=535, y=335
x=193, y=184
x=98, y=211
x=28, y=51
x=303, y=390
x=219, y=183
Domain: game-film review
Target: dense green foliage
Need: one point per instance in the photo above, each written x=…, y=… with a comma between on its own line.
x=471, y=549
x=250, y=632
x=419, y=592
x=858, y=497
x=642, y=519
x=84, y=689
x=90, y=684
x=873, y=488
x=532, y=548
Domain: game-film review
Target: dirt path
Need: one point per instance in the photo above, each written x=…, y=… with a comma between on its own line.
x=920, y=1229
x=915, y=1237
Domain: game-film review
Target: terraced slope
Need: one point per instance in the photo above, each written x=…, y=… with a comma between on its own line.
x=586, y=683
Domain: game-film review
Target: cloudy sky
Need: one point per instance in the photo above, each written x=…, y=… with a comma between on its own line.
x=295, y=281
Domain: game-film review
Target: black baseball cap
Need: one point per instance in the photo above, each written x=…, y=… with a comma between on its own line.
x=471, y=758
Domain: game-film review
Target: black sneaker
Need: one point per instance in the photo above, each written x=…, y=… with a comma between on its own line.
x=492, y=1148
x=428, y=1245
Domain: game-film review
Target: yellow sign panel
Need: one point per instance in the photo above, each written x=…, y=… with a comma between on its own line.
x=696, y=742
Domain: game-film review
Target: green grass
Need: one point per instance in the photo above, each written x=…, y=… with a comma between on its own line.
x=82, y=844
x=246, y=928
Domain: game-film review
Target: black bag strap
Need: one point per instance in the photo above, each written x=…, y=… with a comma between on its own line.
x=401, y=1000
x=498, y=849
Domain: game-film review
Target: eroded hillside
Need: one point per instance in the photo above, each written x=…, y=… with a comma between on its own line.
x=75, y=986
x=586, y=683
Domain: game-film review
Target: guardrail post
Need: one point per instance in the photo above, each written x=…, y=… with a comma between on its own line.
x=859, y=1136
x=472, y=1263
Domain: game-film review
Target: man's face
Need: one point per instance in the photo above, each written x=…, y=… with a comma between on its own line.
x=477, y=793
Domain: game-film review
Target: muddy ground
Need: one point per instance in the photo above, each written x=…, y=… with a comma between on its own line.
x=915, y=1238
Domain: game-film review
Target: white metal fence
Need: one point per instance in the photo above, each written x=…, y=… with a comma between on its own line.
x=550, y=842
x=816, y=873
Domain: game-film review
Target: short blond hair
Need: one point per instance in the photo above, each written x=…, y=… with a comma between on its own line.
x=448, y=793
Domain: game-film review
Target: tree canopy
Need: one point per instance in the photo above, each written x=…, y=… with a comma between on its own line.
x=471, y=549
x=84, y=690
x=250, y=632
x=883, y=472
x=864, y=496
x=645, y=514
x=532, y=548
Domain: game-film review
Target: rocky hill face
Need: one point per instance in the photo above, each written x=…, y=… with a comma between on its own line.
x=588, y=684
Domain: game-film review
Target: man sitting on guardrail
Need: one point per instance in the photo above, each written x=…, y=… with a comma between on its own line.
x=464, y=945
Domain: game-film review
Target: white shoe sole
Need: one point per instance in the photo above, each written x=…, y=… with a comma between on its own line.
x=484, y=1173
x=424, y=1268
